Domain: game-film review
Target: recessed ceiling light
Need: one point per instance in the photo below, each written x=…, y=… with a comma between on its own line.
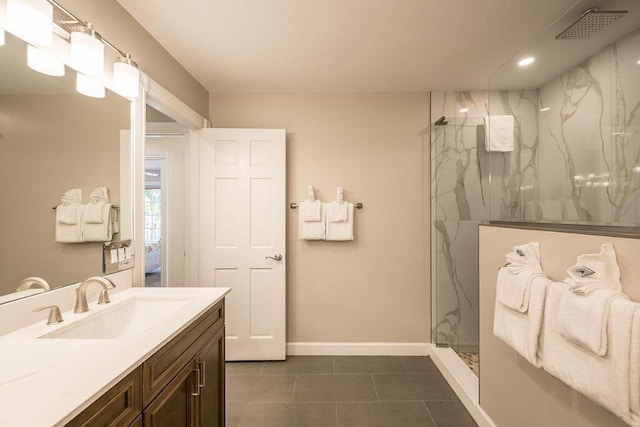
x=464, y=110
x=543, y=109
x=526, y=61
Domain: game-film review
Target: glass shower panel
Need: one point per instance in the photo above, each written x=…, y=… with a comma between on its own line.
x=459, y=202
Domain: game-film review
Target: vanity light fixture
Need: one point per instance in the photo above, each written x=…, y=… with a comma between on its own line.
x=31, y=20
x=87, y=50
x=526, y=61
x=2, y=37
x=44, y=63
x=126, y=76
x=90, y=87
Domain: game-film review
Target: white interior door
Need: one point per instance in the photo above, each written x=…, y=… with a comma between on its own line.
x=242, y=224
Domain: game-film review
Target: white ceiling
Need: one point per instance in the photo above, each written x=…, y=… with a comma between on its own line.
x=318, y=46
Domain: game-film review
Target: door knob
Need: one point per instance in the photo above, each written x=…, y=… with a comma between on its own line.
x=276, y=257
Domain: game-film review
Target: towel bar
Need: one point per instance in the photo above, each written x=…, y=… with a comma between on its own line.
x=112, y=207
x=293, y=205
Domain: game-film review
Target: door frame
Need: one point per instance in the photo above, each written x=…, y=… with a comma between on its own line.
x=153, y=94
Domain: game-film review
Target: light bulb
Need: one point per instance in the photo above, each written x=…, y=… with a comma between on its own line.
x=31, y=20
x=90, y=87
x=526, y=61
x=43, y=62
x=126, y=77
x=87, y=51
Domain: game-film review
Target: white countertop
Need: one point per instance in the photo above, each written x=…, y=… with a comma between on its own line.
x=47, y=382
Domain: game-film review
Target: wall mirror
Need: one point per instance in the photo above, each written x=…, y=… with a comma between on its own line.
x=53, y=139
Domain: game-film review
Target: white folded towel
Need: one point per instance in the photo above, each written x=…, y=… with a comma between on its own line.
x=595, y=271
x=583, y=319
x=341, y=231
x=98, y=231
x=522, y=331
x=610, y=380
x=313, y=230
x=338, y=211
x=73, y=195
x=99, y=194
x=513, y=290
x=526, y=257
x=69, y=232
x=499, y=133
x=67, y=211
x=310, y=211
x=67, y=214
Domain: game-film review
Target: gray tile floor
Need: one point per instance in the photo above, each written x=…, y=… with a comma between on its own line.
x=342, y=391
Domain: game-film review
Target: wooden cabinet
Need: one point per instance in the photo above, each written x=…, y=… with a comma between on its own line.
x=182, y=384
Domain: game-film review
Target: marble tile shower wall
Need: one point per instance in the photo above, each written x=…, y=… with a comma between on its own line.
x=461, y=199
x=589, y=157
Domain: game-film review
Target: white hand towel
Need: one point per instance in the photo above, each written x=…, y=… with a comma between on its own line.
x=72, y=196
x=525, y=257
x=513, y=290
x=499, y=133
x=341, y=231
x=522, y=331
x=99, y=194
x=583, y=319
x=595, y=271
x=69, y=233
x=634, y=365
x=338, y=211
x=67, y=214
x=98, y=231
x=606, y=380
x=313, y=230
x=310, y=211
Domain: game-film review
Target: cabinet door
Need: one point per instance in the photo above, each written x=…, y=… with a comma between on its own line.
x=210, y=362
x=175, y=406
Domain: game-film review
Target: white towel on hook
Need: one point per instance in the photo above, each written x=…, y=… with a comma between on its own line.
x=341, y=231
x=67, y=211
x=514, y=280
x=499, y=133
x=312, y=230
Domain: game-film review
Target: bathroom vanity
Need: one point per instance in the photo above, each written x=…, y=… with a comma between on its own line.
x=152, y=357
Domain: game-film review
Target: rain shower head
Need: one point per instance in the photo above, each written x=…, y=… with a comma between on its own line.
x=590, y=22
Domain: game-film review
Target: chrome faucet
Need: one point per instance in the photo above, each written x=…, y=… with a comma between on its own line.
x=26, y=284
x=81, y=300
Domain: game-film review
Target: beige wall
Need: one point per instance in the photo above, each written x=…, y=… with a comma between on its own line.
x=374, y=288
x=540, y=399
x=49, y=144
x=117, y=26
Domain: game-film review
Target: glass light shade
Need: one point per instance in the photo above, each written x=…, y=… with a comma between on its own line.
x=90, y=87
x=43, y=62
x=126, y=77
x=2, y=40
x=31, y=20
x=87, y=52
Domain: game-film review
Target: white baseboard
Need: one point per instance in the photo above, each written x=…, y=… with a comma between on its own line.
x=463, y=382
x=357, y=349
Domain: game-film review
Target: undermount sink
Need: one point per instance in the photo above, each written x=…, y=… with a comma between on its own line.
x=128, y=318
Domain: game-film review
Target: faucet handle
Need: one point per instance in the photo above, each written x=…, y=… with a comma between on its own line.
x=104, y=297
x=54, y=315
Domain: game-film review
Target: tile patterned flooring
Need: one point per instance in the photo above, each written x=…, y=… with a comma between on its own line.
x=341, y=391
